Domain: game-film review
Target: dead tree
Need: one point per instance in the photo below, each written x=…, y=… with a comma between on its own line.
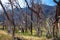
x=31, y=17
x=13, y=22
x=5, y=11
x=36, y=10
x=26, y=22
x=55, y=31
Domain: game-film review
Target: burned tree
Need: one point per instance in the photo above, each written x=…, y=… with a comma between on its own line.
x=31, y=17
x=57, y=16
x=37, y=10
x=11, y=20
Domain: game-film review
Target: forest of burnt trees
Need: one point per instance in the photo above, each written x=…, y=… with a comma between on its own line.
x=31, y=21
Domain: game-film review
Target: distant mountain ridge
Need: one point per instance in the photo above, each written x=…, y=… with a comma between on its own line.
x=48, y=10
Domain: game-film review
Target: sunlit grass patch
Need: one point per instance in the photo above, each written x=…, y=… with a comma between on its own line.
x=4, y=36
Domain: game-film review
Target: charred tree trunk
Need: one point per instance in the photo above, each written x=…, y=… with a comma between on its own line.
x=13, y=22
x=31, y=22
x=38, y=28
x=55, y=31
x=32, y=17
x=3, y=26
x=26, y=22
x=55, y=28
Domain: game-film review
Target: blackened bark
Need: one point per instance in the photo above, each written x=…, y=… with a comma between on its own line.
x=26, y=22
x=56, y=19
x=55, y=1
x=31, y=22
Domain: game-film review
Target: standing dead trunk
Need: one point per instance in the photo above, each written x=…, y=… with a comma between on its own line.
x=13, y=22
x=26, y=22
x=56, y=19
x=31, y=22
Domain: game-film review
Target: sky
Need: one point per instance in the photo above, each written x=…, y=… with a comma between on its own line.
x=48, y=2
x=22, y=4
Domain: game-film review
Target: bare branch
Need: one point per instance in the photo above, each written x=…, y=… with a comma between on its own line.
x=4, y=10
x=32, y=9
x=55, y=1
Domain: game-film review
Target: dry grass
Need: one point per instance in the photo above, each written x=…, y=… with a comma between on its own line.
x=5, y=36
x=2, y=32
x=33, y=38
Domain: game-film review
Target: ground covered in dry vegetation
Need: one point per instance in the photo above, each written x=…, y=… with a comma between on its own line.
x=5, y=36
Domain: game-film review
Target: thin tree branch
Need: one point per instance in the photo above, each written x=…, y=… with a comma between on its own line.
x=32, y=9
x=55, y=1
x=5, y=11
